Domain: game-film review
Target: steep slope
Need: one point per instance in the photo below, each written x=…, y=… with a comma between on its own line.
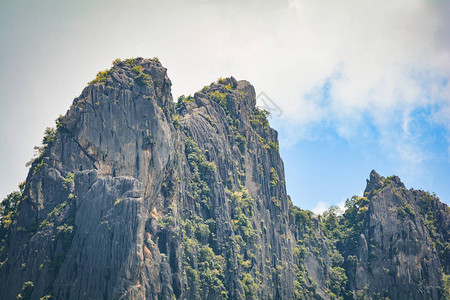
x=83, y=212
x=387, y=244
x=136, y=197
x=396, y=242
x=130, y=200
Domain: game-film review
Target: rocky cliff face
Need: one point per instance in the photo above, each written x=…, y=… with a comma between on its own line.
x=136, y=197
x=395, y=253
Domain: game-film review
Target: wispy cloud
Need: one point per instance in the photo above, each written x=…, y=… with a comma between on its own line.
x=320, y=208
x=323, y=206
x=369, y=62
x=357, y=68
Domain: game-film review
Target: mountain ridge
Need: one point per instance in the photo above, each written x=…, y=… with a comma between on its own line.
x=134, y=196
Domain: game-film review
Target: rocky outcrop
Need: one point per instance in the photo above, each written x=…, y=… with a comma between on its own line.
x=136, y=197
x=396, y=257
x=101, y=169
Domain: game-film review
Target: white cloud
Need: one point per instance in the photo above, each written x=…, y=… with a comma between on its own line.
x=323, y=206
x=379, y=59
x=320, y=207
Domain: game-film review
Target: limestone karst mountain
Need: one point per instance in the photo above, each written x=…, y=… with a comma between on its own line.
x=134, y=196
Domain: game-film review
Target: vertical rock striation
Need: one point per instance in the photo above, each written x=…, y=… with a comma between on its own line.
x=395, y=252
x=137, y=197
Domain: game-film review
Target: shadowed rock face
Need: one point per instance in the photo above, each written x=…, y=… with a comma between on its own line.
x=396, y=257
x=138, y=197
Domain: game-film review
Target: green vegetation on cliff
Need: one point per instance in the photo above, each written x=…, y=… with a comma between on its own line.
x=135, y=197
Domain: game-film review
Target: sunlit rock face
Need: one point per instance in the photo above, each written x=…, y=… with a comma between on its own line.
x=135, y=196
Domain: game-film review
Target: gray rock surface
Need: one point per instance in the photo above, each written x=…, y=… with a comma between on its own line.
x=396, y=256
x=138, y=197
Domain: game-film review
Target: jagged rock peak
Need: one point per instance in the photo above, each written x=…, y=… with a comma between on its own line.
x=131, y=68
x=140, y=75
x=229, y=93
x=374, y=176
x=376, y=182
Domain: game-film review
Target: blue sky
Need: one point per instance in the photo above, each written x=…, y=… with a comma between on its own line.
x=361, y=85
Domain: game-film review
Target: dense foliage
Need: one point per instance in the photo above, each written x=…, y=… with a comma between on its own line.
x=342, y=231
x=8, y=212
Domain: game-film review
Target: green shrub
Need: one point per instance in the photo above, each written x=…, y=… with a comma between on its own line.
x=274, y=179
x=207, y=168
x=446, y=286
x=168, y=219
x=211, y=267
x=220, y=98
x=183, y=99
x=68, y=179
x=259, y=118
x=137, y=69
x=116, y=62
x=202, y=172
x=47, y=141
x=8, y=212
x=240, y=141
x=202, y=232
x=141, y=78
x=211, y=225
x=274, y=145
x=221, y=80
x=404, y=211
x=130, y=61
x=338, y=280
x=100, y=78
x=66, y=233
x=388, y=181
x=9, y=204
x=343, y=231
x=275, y=201
x=49, y=136
x=176, y=121
x=249, y=285
x=27, y=290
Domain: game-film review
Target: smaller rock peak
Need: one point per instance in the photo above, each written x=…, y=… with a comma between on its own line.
x=234, y=96
x=249, y=91
x=377, y=182
x=143, y=77
x=138, y=61
x=374, y=177
x=395, y=180
x=229, y=81
x=130, y=70
x=242, y=89
x=374, y=182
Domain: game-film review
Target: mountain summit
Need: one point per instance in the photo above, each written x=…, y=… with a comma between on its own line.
x=134, y=196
